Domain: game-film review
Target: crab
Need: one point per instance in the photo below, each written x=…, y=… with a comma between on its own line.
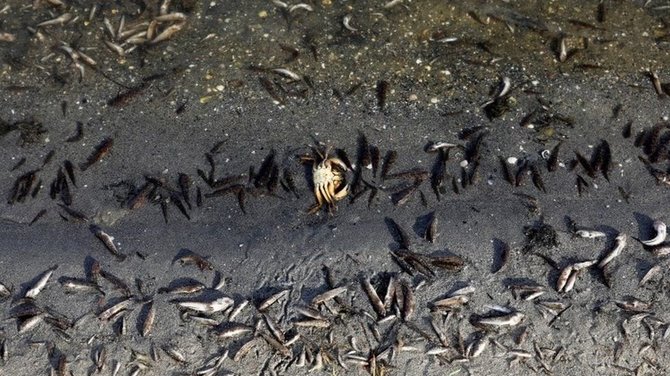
x=328, y=177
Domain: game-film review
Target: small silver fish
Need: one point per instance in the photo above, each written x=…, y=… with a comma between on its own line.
x=590, y=234
x=171, y=17
x=439, y=145
x=148, y=323
x=174, y=353
x=41, y=283
x=312, y=323
x=451, y=302
x=477, y=347
x=116, y=308
x=376, y=302
x=661, y=233
x=168, y=33
x=234, y=330
x=214, y=306
x=30, y=323
x=512, y=319
x=265, y=304
x=563, y=278
x=620, y=244
x=570, y=283
x=60, y=20
x=346, y=21
x=328, y=295
x=108, y=241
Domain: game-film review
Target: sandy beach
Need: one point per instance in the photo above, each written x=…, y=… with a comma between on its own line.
x=157, y=181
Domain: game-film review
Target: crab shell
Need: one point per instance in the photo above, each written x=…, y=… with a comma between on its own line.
x=328, y=178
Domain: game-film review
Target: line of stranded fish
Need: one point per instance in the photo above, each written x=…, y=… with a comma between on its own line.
x=397, y=301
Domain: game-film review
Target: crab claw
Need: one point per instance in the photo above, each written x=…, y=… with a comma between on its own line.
x=338, y=162
x=342, y=193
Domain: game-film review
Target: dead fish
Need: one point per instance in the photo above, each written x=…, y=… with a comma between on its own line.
x=192, y=258
x=174, y=353
x=287, y=74
x=661, y=250
x=511, y=319
x=100, y=152
x=41, y=283
x=80, y=285
x=375, y=301
x=214, y=306
x=188, y=288
x=265, y=304
x=436, y=146
x=477, y=347
x=451, y=262
x=651, y=273
x=100, y=358
x=26, y=308
x=633, y=305
x=4, y=291
x=108, y=241
x=60, y=20
x=276, y=345
x=116, y=308
x=583, y=265
x=620, y=244
x=410, y=261
x=328, y=295
x=310, y=313
x=590, y=234
x=661, y=232
x=245, y=349
x=570, y=283
x=233, y=330
x=149, y=318
x=170, y=17
x=431, y=230
x=656, y=82
x=168, y=33
x=408, y=303
x=312, y=323
x=563, y=278
x=274, y=328
x=30, y=323
x=451, y=302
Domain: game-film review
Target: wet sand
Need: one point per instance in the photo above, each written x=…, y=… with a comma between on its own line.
x=193, y=96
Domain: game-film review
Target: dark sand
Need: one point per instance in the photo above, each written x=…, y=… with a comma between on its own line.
x=205, y=96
